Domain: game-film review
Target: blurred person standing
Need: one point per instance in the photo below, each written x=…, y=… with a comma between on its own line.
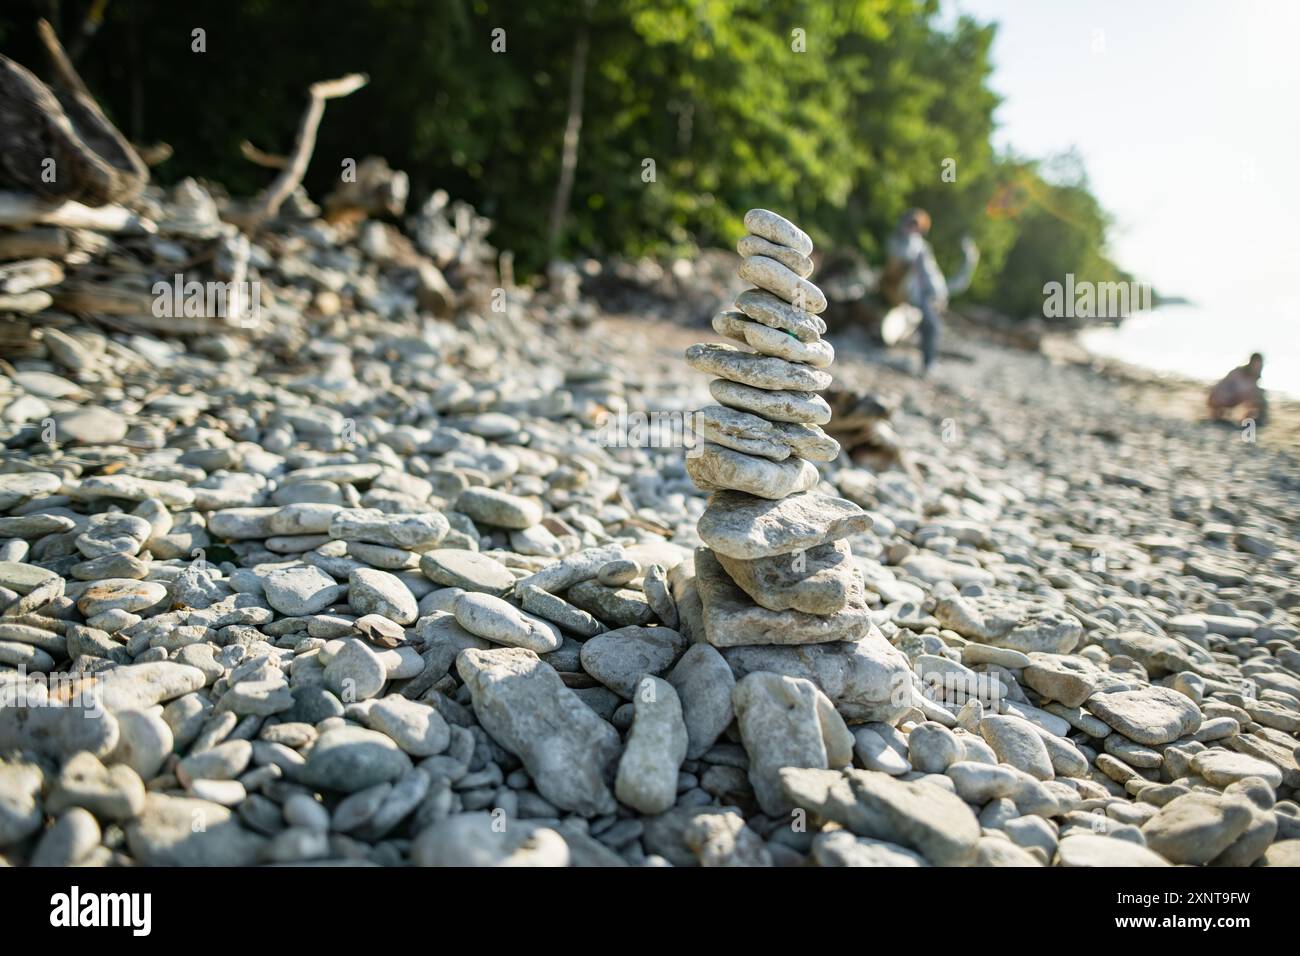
x=917, y=278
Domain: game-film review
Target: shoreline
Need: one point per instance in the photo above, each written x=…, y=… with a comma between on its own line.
x=1176, y=395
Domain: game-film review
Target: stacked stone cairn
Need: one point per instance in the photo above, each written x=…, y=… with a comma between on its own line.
x=781, y=595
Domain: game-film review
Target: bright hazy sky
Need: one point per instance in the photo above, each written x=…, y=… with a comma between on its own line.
x=1188, y=119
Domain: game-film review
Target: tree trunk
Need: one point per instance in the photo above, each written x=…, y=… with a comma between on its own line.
x=572, y=131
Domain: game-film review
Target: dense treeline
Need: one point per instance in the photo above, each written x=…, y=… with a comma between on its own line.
x=839, y=113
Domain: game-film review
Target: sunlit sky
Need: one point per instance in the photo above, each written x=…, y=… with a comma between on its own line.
x=1187, y=115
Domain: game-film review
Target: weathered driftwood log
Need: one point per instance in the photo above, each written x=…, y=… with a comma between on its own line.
x=44, y=242
x=101, y=298
x=56, y=143
x=268, y=202
x=21, y=210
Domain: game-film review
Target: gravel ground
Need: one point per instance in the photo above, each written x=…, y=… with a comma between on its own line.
x=423, y=592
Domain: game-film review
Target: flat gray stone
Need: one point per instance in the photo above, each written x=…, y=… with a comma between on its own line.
x=917, y=815
x=758, y=371
x=868, y=679
x=745, y=527
x=568, y=750
x=1021, y=624
x=371, y=591
x=620, y=658
x=776, y=313
x=716, y=468
x=703, y=681
x=499, y=509
x=466, y=569
x=777, y=406
x=655, y=748
x=785, y=284
x=500, y=622
x=348, y=759
x=731, y=618
x=300, y=591
x=821, y=580
x=1152, y=715
x=178, y=831
x=786, y=722
x=407, y=531
x=776, y=228
x=769, y=341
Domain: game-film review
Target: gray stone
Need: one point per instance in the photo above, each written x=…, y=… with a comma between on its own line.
x=775, y=228
x=57, y=732
x=356, y=672
x=786, y=722
x=378, y=592
x=655, y=748
x=177, y=831
x=545, y=605
x=407, y=531
x=466, y=569
x=785, y=284
x=704, y=682
x=72, y=838
x=778, y=406
x=1152, y=715
x=1069, y=680
x=619, y=659
x=867, y=679
x=917, y=815
x=1016, y=742
x=144, y=741
x=568, y=751
x=745, y=527
x=124, y=594
x=1196, y=827
x=1009, y=621
x=110, y=793
x=933, y=748
x=300, y=591
x=416, y=728
x=348, y=759
x=759, y=371
x=821, y=580
x=498, y=621
x=20, y=800
x=474, y=839
x=770, y=310
x=730, y=618
x=1088, y=849
x=619, y=607
x=842, y=848
x=499, y=509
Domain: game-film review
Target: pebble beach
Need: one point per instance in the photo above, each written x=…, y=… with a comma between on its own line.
x=375, y=582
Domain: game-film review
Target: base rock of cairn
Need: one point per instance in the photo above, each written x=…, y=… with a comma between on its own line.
x=775, y=571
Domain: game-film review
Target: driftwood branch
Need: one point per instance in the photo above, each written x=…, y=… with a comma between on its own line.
x=270, y=199
x=155, y=154
x=260, y=158
x=21, y=210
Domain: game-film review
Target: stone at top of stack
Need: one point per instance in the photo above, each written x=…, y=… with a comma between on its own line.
x=775, y=569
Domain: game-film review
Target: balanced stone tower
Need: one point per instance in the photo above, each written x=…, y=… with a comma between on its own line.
x=775, y=570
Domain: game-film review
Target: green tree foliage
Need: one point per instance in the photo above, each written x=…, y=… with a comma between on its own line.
x=838, y=113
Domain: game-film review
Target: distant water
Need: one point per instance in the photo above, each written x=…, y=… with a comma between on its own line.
x=1206, y=341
